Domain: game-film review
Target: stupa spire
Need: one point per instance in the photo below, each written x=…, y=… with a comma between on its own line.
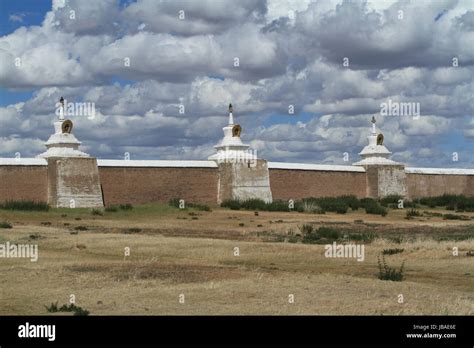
x=231, y=117
x=61, y=109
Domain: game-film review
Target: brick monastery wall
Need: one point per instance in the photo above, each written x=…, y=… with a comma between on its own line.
x=23, y=183
x=144, y=185
x=425, y=185
x=295, y=184
x=137, y=184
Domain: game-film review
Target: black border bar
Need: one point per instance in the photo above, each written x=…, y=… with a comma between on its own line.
x=289, y=330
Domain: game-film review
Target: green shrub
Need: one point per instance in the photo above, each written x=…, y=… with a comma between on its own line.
x=333, y=204
x=25, y=205
x=466, y=204
x=340, y=208
x=392, y=251
x=175, y=202
x=35, y=236
x=451, y=202
x=392, y=202
x=292, y=239
x=455, y=217
x=412, y=213
x=364, y=201
x=253, y=204
x=430, y=213
x=322, y=235
x=312, y=238
x=306, y=229
x=256, y=205
x=81, y=228
x=133, y=230
x=126, y=206
x=318, y=205
x=78, y=311
x=329, y=233
x=388, y=273
x=114, y=208
x=396, y=239
x=390, y=199
x=373, y=207
x=97, y=212
x=4, y=224
x=462, y=205
x=362, y=237
x=351, y=201
x=232, y=204
x=409, y=204
x=306, y=206
x=277, y=205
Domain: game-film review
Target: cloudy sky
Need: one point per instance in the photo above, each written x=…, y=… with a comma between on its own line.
x=142, y=63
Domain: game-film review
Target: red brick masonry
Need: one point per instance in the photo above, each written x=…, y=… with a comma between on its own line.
x=426, y=185
x=23, y=183
x=143, y=185
x=296, y=184
x=159, y=184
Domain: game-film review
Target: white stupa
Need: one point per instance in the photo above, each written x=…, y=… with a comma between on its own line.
x=375, y=153
x=62, y=143
x=231, y=146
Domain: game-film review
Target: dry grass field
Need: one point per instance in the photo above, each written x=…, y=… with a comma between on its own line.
x=184, y=262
